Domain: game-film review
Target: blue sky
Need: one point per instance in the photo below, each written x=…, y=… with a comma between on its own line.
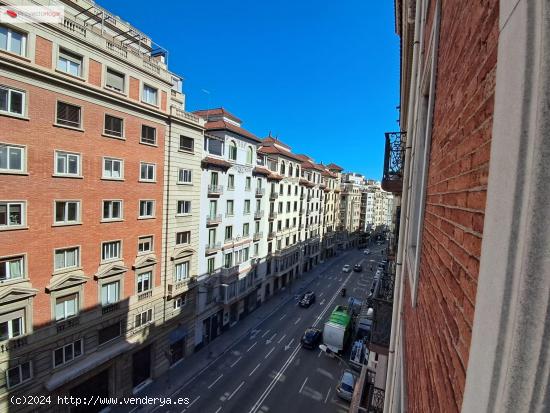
x=322, y=76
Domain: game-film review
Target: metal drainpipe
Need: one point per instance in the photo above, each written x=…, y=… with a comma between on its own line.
x=168, y=169
x=397, y=311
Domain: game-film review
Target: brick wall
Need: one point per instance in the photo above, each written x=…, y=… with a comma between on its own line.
x=94, y=76
x=438, y=330
x=43, y=52
x=134, y=88
x=40, y=190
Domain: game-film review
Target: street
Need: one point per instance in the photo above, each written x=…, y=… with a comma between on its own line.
x=268, y=370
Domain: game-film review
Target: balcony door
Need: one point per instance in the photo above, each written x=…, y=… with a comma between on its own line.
x=214, y=178
x=213, y=208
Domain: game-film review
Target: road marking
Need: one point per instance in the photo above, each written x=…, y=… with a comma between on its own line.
x=270, y=351
x=303, y=384
x=320, y=295
x=326, y=398
x=266, y=333
x=235, y=391
x=269, y=340
x=298, y=320
x=217, y=411
x=255, y=368
x=320, y=352
x=236, y=361
x=289, y=344
x=284, y=315
x=322, y=302
x=281, y=339
x=190, y=404
x=215, y=381
x=250, y=348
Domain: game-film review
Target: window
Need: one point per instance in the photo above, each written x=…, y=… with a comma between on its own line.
x=67, y=163
x=19, y=374
x=246, y=229
x=228, y=260
x=228, y=232
x=114, y=80
x=249, y=155
x=12, y=325
x=144, y=282
x=179, y=302
x=288, y=206
x=67, y=353
x=69, y=62
x=213, y=179
x=12, y=158
x=146, y=209
x=233, y=151
x=248, y=183
x=114, y=126
x=184, y=207
x=66, y=258
x=108, y=333
x=68, y=115
x=183, y=237
x=147, y=172
x=144, y=318
x=184, y=176
x=256, y=249
x=230, y=181
x=211, y=265
x=148, y=134
x=11, y=101
x=247, y=206
x=182, y=271
x=13, y=41
x=112, y=210
x=229, y=209
x=246, y=254
x=110, y=293
x=11, y=268
x=145, y=244
x=111, y=250
x=150, y=95
x=282, y=170
x=187, y=144
x=66, y=212
x=214, y=146
x=12, y=214
x=66, y=307
x=113, y=168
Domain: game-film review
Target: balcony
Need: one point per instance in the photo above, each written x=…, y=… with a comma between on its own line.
x=212, y=248
x=215, y=190
x=394, y=162
x=272, y=216
x=258, y=214
x=257, y=236
x=213, y=219
x=13, y=344
x=177, y=286
x=271, y=235
x=66, y=324
x=229, y=274
x=260, y=192
x=302, y=211
x=273, y=196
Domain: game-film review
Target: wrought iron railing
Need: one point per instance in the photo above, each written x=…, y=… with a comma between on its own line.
x=394, y=160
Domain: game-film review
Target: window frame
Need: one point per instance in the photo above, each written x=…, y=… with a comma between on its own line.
x=232, y=151
x=111, y=219
x=153, y=202
x=186, y=264
x=71, y=57
x=109, y=132
x=105, y=244
x=184, y=202
x=10, y=90
x=107, y=285
x=67, y=268
x=4, y=260
x=104, y=159
x=185, y=149
x=183, y=236
x=57, y=154
x=65, y=213
x=116, y=72
x=146, y=141
x=23, y=154
x=146, y=239
x=182, y=174
x=143, y=94
x=21, y=382
x=68, y=125
x=148, y=165
x=149, y=318
x=23, y=224
x=63, y=352
x=64, y=298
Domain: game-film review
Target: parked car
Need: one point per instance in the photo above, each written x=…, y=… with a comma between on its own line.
x=359, y=355
x=307, y=299
x=346, y=268
x=357, y=268
x=366, y=252
x=312, y=338
x=346, y=385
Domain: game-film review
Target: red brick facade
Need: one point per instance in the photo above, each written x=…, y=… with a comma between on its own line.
x=43, y=52
x=39, y=189
x=134, y=88
x=94, y=76
x=438, y=329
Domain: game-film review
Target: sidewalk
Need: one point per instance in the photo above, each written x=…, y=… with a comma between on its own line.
x=184, y=372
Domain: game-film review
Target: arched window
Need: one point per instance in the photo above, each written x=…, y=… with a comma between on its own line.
x=290, y=169
x=282, y=168
x=233, y=151
x=249, y=155
x=297, y=172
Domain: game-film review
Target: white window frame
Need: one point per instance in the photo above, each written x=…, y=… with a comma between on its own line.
x=6, y=260
x=116, y=72
x=183, y=236
x=110, y=132
x=146, y=90
x=10, y=91
x=185, y=173
x=183, y=207
x=141, y=140
x=69, y=58
x=65, y=251
x=148, y=168
x=65, y=125
x=143, y=318
x=141, y=278
x=111, y=250
x=153, y=203
x=8, y=148
x=8, y=204
x=190, y=150
x=113, y=161
x=9, y=36
x=21, y=381
x=73, y=345
x=76, y=307
x=179, y=273
x=110, y=287
x=180, y=302
x=111, y=218
x=67, y=155
x=65, y=212
x=144, y=239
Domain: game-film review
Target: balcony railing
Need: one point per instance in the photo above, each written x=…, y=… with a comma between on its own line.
x=228, y=274
x=302, y=196
x=258, y=214
x=271, y=234
x=394, y=160
x=213, y=247
x=260, y=192
x=257, y=236
x=213, y=219
x=273, y=195
x=272, y=215
x=215, y=190
x=13, y=344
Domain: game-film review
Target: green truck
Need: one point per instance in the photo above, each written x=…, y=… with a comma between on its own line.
x=337, y=329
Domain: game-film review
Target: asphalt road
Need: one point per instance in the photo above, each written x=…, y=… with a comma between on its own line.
x=268, y=371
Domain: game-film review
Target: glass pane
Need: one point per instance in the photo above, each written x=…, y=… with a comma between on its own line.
x=116, y=210
x=16, y=327
x=60, y=310
x=77, y=348
x=68, y=353
x=104, y=294
x=71, y=258
x=58, y=357
x=61, y=164
x=106, y=210
x=3, y=214
x=14, y=378
x=59, y=259
x=25, y=371
x=16, y=45
x=70, y=307
x=72, y=211
x=3, y=150
x=3, y=38
x=16, y=104
x=4, y=333
x=116, y=170
x=73, y=164
x=15, y=158
x=73, y=68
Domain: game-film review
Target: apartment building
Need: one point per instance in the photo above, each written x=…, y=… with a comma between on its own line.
x=228, y=222
x=84, y=111
x=331, y=211
x=376, y=207
x=352, y=185
x=470, y=311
